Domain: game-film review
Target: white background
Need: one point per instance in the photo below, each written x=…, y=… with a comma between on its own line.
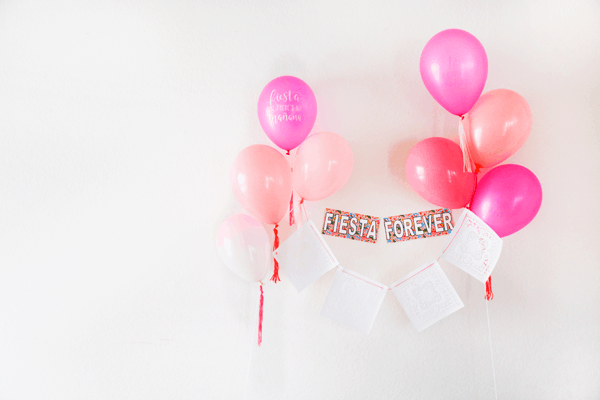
x=119, y=121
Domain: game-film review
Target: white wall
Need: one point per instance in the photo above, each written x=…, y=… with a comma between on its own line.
x=119, y=121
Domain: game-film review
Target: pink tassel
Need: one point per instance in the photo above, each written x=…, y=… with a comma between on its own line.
x=260, y=315
x=275, y=277
x=292, y=220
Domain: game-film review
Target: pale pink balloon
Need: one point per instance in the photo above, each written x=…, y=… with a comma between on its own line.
x=261, y=180
x=497, y=126
x=244, y=246
x=434, y=169
x=507, y=198
x=454, y=69
x=287, y=110
x=321, y=166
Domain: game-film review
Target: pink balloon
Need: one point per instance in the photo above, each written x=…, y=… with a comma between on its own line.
x=322, y=165
x=261, y=180
x=497, y=126
x=434, y=168
x=507, y=198
x=454, y=68
x=287, y=110
x=244, y=246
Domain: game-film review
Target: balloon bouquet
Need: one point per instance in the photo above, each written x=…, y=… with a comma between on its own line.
x=263, y=180
x=492, y=127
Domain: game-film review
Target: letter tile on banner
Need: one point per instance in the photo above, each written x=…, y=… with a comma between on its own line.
x=427, y=295
x=305, y=256
x=353, y=300
x=473, y=246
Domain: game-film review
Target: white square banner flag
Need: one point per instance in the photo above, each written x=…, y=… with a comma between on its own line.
x=427, y=295
x=473, y=246
x=305, y=256
x=353, y=300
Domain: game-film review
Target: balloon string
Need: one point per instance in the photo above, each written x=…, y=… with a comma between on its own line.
x=303, y=207
x=487, y=311
x=468, y=164
x=275, y=277
x=260, y=315
x=292, y=219
x=489, y=295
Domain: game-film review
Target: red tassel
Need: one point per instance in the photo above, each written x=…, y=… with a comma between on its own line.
x=275, y=277
x=260, y=315
x=292, y=219
x=489, y=295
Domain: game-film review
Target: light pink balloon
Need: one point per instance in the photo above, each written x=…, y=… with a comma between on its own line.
x=287, y=110
x=244, y=246
x=454, y=68
x=497, y=126
x=321, y=166
x=261, y=180
x=434, y=169
x=507, y=198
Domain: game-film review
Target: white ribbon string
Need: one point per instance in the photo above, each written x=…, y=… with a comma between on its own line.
x=491, y=350
x=252, y=342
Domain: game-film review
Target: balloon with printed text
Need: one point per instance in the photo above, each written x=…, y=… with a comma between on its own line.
x=287, y=110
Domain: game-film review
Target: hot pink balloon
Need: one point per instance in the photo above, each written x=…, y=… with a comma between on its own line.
x=454, y=68
x=434, y=168
x=244, y=246
x=321, y=166
x=261, y=180
x=497, y=126
x=287, y=110
x=507, y=198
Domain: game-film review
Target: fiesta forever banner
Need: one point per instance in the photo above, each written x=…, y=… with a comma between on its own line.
x=398, y=228
x=426, y=294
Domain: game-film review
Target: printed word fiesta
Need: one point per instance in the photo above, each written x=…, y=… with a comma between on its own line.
x=418, y=225
x=350, y=225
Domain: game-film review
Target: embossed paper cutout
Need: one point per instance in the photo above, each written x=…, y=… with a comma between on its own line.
x=427, y=295
x=353, y=300
x=473, y=247
x=418, y=225
x=305, y=256
x=350, y=225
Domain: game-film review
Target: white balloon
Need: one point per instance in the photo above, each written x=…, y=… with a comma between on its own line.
x=244, y=246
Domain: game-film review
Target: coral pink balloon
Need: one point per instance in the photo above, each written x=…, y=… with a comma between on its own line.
x=287, y=110
x=497, y=126
x=454, y=68
x=507, y=198
x=321, y=166
x=244, y=247
x=434, y=168
x=261, y=180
